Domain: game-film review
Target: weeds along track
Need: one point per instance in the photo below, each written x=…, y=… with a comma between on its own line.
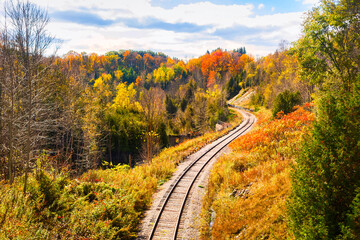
x=167, y=224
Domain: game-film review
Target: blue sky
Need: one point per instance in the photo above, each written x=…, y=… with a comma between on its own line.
x=270, y=6
x=179, y=28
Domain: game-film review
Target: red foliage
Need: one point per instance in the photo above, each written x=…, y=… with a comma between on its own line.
x=220, y=62
x=274, y=131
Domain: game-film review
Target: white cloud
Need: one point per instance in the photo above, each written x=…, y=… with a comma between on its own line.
x=117, y=36
x=205, y=13
x=310, y=2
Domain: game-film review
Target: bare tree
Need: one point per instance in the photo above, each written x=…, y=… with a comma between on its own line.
x=11, y=84
x=152, y=101
x=25, y=36
x=283, y=45
x=200, y=112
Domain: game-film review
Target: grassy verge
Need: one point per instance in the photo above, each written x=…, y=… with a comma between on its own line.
x=248, y=187
x=101, y=204
x=239, y=95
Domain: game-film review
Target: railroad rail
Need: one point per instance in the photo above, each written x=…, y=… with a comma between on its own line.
x=168, y=220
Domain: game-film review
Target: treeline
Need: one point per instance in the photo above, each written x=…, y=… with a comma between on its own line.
x=129, y=119
x=128, y=63
x=87, y=110
x=275, y=74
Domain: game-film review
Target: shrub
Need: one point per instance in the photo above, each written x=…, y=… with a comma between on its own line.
x=285, y=102
x=257, y=99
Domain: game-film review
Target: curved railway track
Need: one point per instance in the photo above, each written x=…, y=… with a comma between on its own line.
x=168, y=221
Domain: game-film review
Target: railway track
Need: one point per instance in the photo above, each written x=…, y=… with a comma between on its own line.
x=168, y=222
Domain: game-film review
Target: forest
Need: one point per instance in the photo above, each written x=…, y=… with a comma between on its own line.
x=84, y=109
x=85, y=138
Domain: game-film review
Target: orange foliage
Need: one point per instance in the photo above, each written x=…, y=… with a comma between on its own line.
x=148, y=60
x=138, y=81
x=275, y=131
x=219, y=62
x=193, y=64
x=248, y=188
x=212, y=79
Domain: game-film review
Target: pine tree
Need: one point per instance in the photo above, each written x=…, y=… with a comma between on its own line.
x=327, y=173
x=286, y=101
x=324, y=202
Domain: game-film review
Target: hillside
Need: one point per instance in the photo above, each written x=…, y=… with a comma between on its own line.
x=249, y=187
x=87, y=139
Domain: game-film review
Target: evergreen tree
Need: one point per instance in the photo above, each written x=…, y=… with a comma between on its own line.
x=324, y=202
x=327, y=173
x=170, y=106
x=163, y=137
x=286, y=101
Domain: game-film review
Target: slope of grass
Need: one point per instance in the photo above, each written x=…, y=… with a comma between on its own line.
x=248, y=187
x=100, y=204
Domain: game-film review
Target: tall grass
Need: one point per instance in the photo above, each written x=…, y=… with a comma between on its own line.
x=100, y=204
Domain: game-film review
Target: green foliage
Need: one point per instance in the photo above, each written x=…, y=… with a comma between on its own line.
x=350, y=229
x=180, y=71
x=48, y=190
x=189, y=95
x=164, y=139
x=330, y=44
x=183, y=104
x=129, y=75
x=233, y=86
x=170, y=106
x=241, y=50
x=328, y=171
x=285, y=102
x=257, y=99
x=324, y=200
x=126, y=129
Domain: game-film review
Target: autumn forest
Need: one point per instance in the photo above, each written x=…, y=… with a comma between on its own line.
x=87, y=139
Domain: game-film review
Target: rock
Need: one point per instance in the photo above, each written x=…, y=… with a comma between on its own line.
x=244, y=193
x=233, y=194
x=219, y=127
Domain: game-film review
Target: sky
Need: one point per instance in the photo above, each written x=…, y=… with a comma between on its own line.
x=179, y=28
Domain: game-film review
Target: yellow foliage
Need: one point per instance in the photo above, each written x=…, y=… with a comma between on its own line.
x=118, y=75
x=214, y=92
x=163, y=74
x=102, y=88
x=125, y=98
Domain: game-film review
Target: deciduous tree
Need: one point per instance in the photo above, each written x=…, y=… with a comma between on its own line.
x=326, y=180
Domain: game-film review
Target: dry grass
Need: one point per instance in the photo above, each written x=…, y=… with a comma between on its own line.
x=248, y=188
x=101, y=204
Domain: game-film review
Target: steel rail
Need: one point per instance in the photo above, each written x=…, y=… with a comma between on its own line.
x=195, y=178
x=179, y=178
